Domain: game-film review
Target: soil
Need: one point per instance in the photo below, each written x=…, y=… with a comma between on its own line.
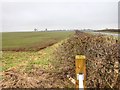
x=37, y=79
x=32, y=48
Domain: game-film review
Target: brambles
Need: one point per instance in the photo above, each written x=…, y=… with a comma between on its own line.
x=101, y=52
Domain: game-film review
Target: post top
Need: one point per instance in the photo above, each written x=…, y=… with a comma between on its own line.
x=80, y=57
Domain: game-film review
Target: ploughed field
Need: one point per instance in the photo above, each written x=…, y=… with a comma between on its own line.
x=31, y=41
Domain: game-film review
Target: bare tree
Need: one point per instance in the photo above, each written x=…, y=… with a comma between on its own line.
x=46, y=29
x=35, y=29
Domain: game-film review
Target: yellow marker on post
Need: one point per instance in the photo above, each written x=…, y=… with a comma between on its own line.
x=80, y=64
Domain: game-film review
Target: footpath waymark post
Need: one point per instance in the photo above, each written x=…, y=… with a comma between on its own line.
x=80, y=64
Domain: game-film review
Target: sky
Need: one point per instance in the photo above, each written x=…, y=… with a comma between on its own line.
x=25, y=15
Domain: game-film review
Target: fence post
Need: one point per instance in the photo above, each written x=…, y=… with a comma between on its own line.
x=80, y=70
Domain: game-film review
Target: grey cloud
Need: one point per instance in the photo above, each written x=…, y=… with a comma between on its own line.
x=65, y=15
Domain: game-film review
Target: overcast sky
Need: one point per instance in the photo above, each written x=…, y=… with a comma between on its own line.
x=26, y=15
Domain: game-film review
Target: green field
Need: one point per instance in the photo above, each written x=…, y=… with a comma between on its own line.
x=27, y=54
x=26, y=61
x=28, y=41
x=32, y=40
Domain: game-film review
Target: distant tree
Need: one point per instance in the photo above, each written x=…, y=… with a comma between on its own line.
x=35, y=29
x=106, y=28
x=46, y=29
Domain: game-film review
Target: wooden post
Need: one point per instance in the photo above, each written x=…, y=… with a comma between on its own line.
x=80, y=64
